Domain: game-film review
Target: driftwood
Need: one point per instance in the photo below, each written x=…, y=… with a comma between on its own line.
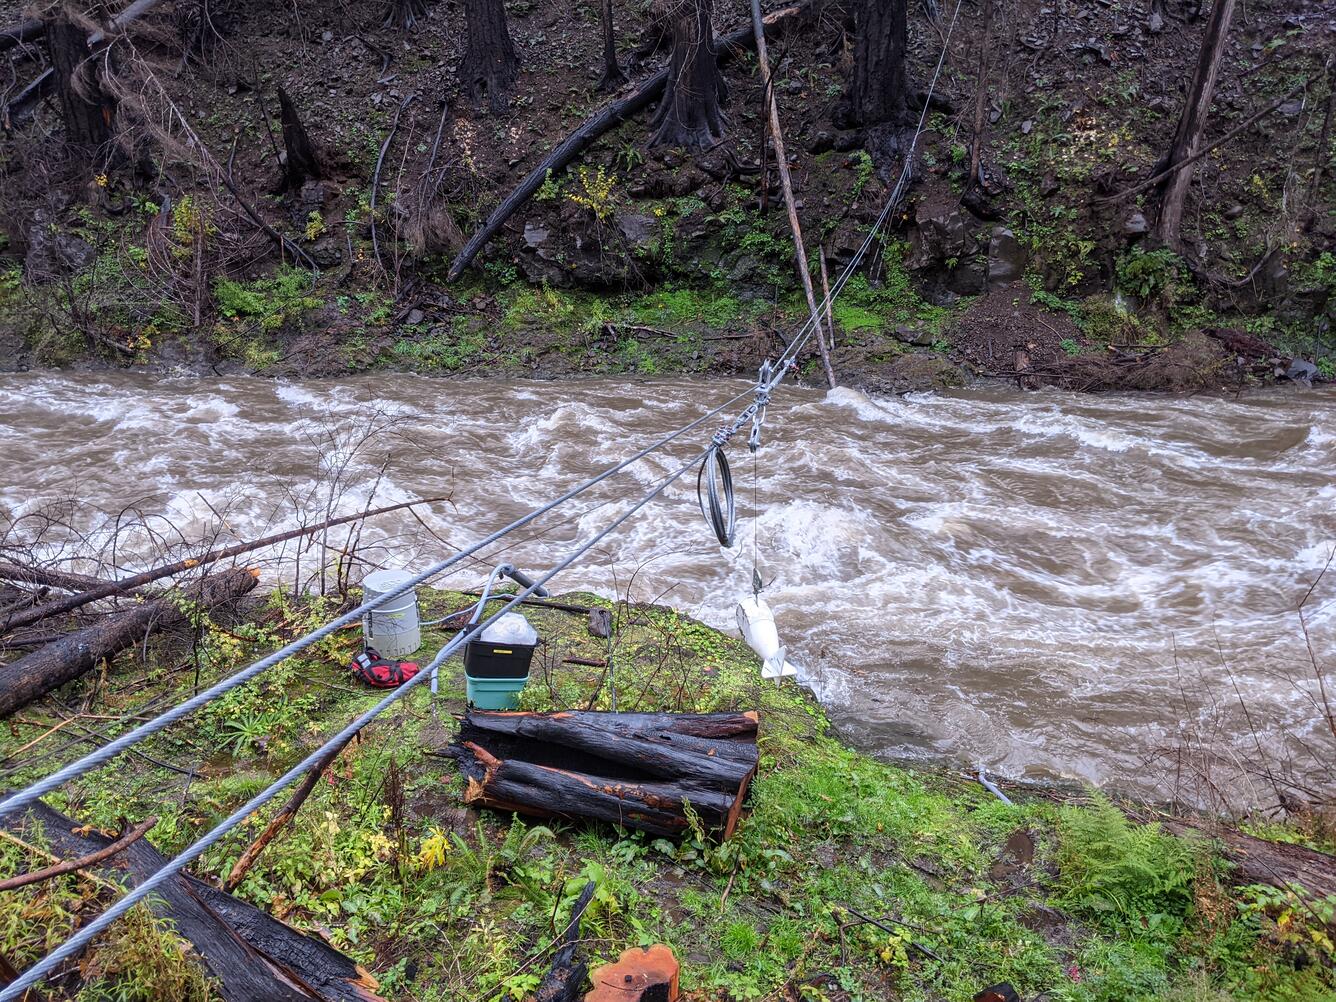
x=125, y=585
x=285, y=814
x=250, y=954
x=602, y=121
x=1261, y=861
x=640, y=770
x=49, y=667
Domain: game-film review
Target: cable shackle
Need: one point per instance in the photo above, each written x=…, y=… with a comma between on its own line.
x=758, y=408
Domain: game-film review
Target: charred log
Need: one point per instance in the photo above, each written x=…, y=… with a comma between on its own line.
x=66, y=659
x=490, y=65
x=301, y=162
x=634, y=770
x=691, y=112
x=250, y=954
x=17, y=34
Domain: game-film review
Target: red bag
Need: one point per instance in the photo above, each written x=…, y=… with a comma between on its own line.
x=382, y=673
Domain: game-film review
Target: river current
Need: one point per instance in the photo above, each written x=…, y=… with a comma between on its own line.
x=1046, y=584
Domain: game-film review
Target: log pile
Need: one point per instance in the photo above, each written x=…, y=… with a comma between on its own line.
x=638, y=770
x=248, y=953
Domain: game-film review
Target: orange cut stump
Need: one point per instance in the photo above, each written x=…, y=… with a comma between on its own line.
x=641, y=974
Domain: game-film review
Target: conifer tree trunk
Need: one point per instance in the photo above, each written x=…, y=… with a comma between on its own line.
x=612, y=73
x=1192, y=122
x=690, y=113
x=490, y=64
x=88, y=112
x=879, y=90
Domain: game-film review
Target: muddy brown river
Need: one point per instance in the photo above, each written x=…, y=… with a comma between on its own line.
x=1047, y=584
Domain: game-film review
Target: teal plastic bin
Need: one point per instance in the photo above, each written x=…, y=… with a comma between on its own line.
x=495, y=693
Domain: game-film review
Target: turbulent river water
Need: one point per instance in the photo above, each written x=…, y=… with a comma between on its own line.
x=1046, y=584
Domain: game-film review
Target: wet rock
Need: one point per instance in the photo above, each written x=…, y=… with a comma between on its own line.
x=1235, y=211
x=535, y=235
x=1006, y=257
x=641, y=232
x=1135, y=223
x=1301, y=372
x=53, y=251
x=327, y=252
x=415, y=317
x=939, y=233
x=915, y=336
x=968, y=278
x=1291, y=108
x=1026, y=127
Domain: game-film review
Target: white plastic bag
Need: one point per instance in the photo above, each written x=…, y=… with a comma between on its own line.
x=512, y=628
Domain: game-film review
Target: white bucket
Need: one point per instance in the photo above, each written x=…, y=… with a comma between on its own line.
x=392, y=629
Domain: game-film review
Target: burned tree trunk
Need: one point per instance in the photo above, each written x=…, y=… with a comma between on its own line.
x=490, y=64
x=403, y=14
x=64, y=660
x=1192, y=122
x=691, y=112
x=250, y=954
x=879, y=88
x=613, y=77
x=639, y=770
x=301, y=163
x=87, y=111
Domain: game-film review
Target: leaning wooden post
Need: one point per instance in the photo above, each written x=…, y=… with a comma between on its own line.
x=781, y=161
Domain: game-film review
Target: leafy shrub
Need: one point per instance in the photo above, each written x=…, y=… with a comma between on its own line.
x=1147, y=274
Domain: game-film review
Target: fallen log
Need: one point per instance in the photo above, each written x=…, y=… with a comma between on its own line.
x=638, y=770
x=17, y=34
x=64, y=660
x=250, y=954
x=609, y=117
x=125, y=585
x=1261, y=861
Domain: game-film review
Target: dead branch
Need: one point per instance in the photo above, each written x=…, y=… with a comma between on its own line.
x=132, y=835
x=122, y=586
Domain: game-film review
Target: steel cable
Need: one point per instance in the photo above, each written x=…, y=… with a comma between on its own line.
x=164, y=720
x=71, y=947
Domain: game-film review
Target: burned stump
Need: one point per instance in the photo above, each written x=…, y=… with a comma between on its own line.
x=639, y=770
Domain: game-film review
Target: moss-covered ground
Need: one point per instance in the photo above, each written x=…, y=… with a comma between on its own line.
x=1065, y=899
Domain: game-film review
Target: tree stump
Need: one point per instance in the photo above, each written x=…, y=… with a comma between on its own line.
x=638, y=770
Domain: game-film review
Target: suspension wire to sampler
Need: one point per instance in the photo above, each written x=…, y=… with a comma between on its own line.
x=107, y=752
x=715, y=474
x=719, y=509
x=71, y=947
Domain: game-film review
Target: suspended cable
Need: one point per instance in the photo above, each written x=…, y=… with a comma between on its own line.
x=164, y=720
x=71, y=947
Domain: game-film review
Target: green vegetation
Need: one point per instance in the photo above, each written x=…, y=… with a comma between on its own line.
x=1107, y=909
